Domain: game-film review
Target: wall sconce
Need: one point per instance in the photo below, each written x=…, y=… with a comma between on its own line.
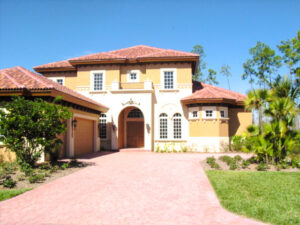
x=148, y=128
x=74, y=123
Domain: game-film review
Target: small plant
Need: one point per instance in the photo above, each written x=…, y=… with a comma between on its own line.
x=227, y=159
x=9, y=167
x=21, y=178
x=157, y=148
x=210, y=160
x=252, y=160
x=295, y=163
x=45, y=166
x=262, y=166
x=65, y=166
x=284, y=164
x=27, y=169
x=245, y=164
x=237, y=143
x=54, y=169
x=9, y=183
x=36, y=178
x=234, y=165
x=238, y=158
x=73, y=162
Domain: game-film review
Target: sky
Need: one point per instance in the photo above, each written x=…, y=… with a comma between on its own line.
x=35, y=32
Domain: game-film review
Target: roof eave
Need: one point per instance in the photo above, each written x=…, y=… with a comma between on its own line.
x=54, y=69
x=211, y=100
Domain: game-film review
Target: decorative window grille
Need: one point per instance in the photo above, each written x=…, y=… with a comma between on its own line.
x=98, y=81
x=60, y=81
x=195, y=114
x=208, y=113
x=135, y=113
x=133, y=76
x=222, y=112
x=168, y=80
x=163, y=126
x=103, y=126
x=177, y=126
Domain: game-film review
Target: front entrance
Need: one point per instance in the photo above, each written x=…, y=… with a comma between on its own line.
x=131, y=128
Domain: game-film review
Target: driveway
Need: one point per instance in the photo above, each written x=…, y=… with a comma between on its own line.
x=125, y=188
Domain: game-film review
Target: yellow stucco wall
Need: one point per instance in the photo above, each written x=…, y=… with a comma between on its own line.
x=239, y=121
x=6, y=155
x=114, y=72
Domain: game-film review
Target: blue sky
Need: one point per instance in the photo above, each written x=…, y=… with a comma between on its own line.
x=38, y=32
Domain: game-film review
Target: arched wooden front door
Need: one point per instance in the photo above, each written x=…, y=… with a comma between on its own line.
x=131, y=128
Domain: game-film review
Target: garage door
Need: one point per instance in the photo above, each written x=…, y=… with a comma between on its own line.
x=83, y=138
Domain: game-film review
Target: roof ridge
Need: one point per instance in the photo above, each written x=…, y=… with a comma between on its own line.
x=13, y=80
x=223, y=89
x=34, y=77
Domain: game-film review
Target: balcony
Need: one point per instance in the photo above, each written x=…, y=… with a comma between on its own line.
x=132, y=86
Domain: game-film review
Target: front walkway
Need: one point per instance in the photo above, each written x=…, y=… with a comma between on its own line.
x=125, y=188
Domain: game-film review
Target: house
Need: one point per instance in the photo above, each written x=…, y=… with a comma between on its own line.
x=82, y=129
x=153, y=102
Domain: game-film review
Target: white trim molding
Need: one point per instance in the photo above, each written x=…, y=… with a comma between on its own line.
x=129, y=72
x=162, y=78
x=92, y=73
x=191, y=113
x=207, y=108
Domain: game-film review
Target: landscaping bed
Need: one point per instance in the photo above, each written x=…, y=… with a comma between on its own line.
x=15, y=180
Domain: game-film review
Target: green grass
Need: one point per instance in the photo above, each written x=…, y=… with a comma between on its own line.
x=272, y=197
x=6, y=194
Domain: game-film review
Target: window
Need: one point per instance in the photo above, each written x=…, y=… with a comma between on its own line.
x=102, y=129
x=133, y=75
x=208, y=113
x=97, y=80
x=195, y=114
x=163, y=126
x=60, y=81
x=177, y=126
x=135, y=113
x=222, y=112
x=168, y=80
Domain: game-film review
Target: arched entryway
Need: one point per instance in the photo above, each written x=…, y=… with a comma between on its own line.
x=131, y=128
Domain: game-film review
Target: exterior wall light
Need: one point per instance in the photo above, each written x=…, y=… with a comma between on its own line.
x=74, y=123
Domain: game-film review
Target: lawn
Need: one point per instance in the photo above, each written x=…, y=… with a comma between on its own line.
x=272, y=197
x=6, y=194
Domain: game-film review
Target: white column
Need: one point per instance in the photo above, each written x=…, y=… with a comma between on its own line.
x=115, y=85
x=148, y=84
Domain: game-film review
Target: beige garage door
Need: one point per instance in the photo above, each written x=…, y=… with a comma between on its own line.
x=83, y=138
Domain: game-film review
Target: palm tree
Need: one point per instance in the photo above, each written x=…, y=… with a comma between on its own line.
x=256, y=100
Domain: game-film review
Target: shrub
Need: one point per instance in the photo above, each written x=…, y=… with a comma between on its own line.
x=32, y=128
x=252, y=160
x=54, y=168
x=9, y=167
x=21, y=178
x=210, y=160
x=262, y=166
x=295, y=163
x=26, y=168
x=227, y=159
x=245, y=164
x=36, y=178
x=9, y=183
x=237, y=143
x=64, y=166
x=184, y=148
x=234, y=165
x=238, y=158
x=45, y=166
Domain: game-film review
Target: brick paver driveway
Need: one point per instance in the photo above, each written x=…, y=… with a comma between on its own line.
x=125, y=188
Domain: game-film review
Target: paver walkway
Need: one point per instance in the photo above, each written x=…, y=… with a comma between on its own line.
x=125, y=188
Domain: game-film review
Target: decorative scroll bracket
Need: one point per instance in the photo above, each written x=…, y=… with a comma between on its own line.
x=131, y=102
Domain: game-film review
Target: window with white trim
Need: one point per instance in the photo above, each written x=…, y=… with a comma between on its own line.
x=103, y=126
x=168, y=80
x=209, y=112
x=98, y=81
x=60, y=81
x=163, y=126
x=195, y=114
x=177, y=126
x=223, y=112
x=133, y=76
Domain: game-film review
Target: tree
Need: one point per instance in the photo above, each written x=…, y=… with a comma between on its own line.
x=225, y=70
x=30, y=128
x=262, y=65
x=199, y=74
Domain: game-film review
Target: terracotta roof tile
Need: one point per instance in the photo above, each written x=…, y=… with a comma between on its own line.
x=132, y=53
x=202, y=91
x=19, y=78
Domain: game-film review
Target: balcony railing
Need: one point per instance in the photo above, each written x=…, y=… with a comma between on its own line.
x=131, y=85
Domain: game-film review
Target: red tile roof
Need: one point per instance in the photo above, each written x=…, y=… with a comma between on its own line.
x=136, y=53
x=206, y=92
x=19, y=78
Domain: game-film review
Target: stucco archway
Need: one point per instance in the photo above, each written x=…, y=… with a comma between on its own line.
x=131, y=128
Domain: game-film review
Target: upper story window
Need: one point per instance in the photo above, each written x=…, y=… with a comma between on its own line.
x=133, y=76
x=223, y=112
x=135, y=113
x=59, y=80
x=195, y=114
x=97, y=80
x=103, y=126
x=168, y=78
x=163, y=126
x=209, y=112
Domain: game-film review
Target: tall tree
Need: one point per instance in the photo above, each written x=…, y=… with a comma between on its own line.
x=262, y=65
x=225, y=70
x=199, y=74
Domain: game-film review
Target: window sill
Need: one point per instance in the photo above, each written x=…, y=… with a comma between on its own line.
x=170, y=140
x=194, y=118
x=169, y=90
x=224, y=118
x=98, y=92
x=209, y=118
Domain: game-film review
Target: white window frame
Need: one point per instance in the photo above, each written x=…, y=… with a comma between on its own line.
x=92, y=73
x=162, y=78
x=180, y=128
x=225, y=109
x=58, y=78
x=129, y=72
x=101, y=119
x=206, y=108
x=191, y=110
x=167, y=128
